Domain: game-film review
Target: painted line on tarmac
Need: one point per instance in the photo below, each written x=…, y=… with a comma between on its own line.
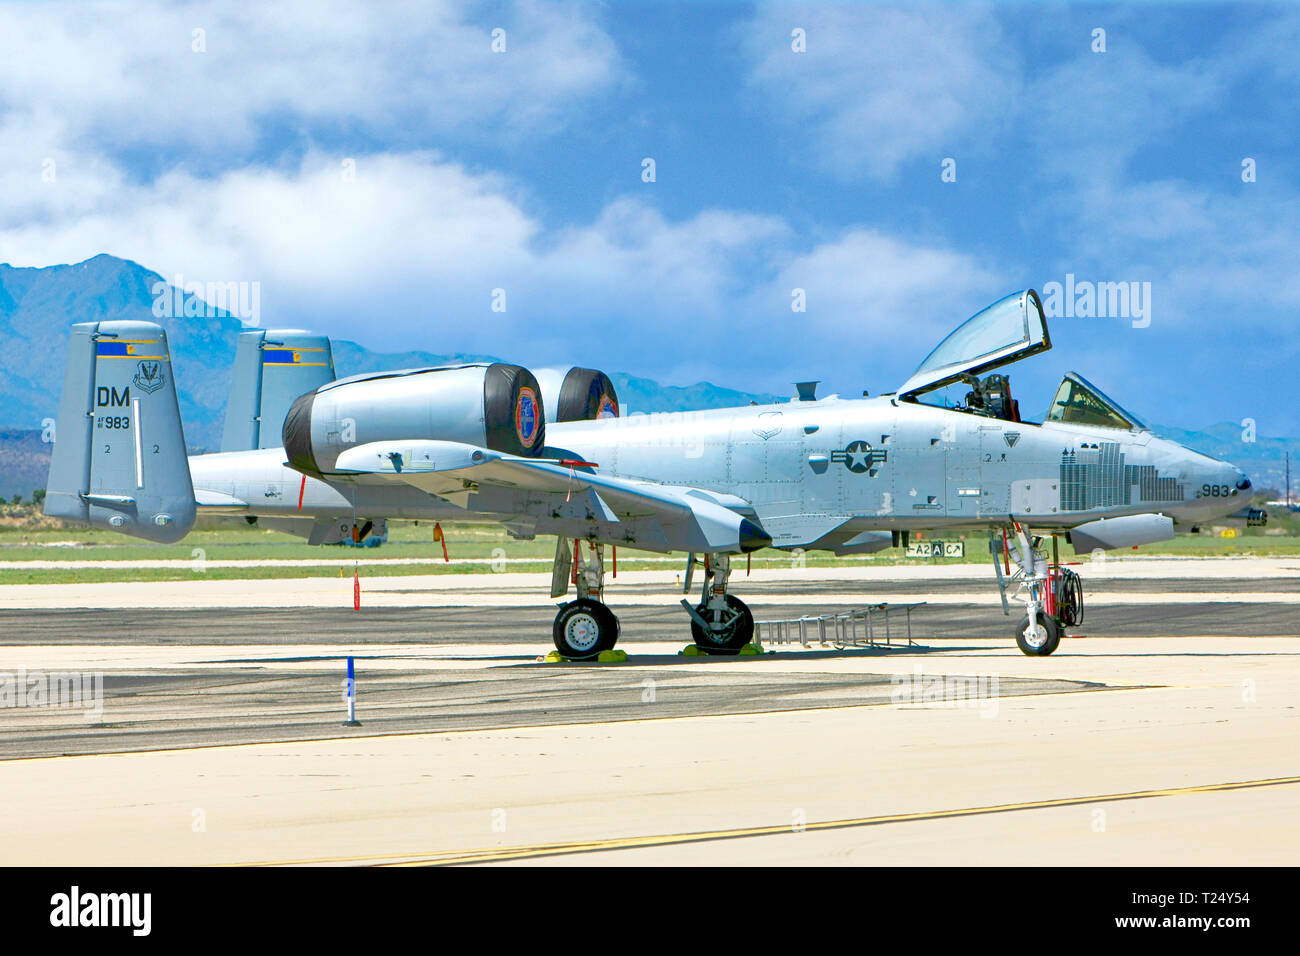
x=507, y=854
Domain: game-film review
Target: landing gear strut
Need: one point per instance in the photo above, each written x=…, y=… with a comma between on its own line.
x=585, y=627
x=1053, y=596
x=721, y=623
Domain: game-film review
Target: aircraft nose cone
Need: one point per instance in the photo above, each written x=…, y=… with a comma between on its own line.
x=752, y=537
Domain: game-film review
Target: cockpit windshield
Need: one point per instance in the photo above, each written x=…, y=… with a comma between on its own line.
x=1079, y=402
x=1006, y=331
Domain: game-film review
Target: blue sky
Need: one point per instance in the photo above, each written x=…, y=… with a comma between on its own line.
x=775, y=170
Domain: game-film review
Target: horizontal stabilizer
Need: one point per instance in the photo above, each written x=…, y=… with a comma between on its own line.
x=218, y=501
x=120, y=502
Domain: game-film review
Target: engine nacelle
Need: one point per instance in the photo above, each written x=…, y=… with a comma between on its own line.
x=577, y=394
x=493, y=406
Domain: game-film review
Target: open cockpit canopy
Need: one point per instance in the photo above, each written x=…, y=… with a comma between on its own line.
x=1079, y=402
x=1007, y=331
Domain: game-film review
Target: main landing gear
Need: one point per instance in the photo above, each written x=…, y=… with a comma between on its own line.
x=721, y=623
x=584, y=627
x=1053, y=595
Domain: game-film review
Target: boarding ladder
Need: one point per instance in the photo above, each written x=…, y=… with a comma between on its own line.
x=869, y=626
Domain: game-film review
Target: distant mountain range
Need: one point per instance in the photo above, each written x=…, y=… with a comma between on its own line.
x=38, y=305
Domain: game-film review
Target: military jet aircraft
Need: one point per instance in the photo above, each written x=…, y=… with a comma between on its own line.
x=549, y=455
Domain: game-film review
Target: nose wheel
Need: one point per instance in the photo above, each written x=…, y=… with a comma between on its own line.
x=1039, y=638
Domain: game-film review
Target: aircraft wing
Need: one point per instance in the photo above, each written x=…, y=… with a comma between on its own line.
x=563, y=496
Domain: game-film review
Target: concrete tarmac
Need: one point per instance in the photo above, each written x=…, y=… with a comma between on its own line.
x=1166, y=735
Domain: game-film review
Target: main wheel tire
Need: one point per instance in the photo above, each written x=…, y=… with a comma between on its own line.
x=731, y=639
x=584, y=628
x=1047, y=639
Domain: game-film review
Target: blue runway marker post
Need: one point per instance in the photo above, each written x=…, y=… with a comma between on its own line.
x=352, y=697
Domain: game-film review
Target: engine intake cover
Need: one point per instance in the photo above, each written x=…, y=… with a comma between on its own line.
x=578, y=394
x=495, y=406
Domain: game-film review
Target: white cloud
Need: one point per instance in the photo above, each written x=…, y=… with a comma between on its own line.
x=1090, y=115
x=879, y=87
x=1207, y=254
x=345, y=250
x=125, y=76
x=698, y=263
x=888, y=285
x=153, y=143
x=407, y=254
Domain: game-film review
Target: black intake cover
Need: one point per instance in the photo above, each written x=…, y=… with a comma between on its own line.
x=581, y=394
x=509, y=392
x=296, y=435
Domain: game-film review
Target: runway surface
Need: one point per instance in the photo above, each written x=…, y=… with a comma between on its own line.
x=1165, y=735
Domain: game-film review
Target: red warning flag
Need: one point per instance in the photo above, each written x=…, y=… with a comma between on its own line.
x=439, y=536
x=356, y=590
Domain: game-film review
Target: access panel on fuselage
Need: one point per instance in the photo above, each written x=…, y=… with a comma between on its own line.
x=979, y=465
x=919, y=462
x=767, y=460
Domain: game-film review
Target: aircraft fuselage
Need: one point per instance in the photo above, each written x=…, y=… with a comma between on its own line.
x=805, y=466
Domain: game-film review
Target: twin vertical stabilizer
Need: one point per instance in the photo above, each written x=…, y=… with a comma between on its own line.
x=119, y=459
x=272, y=368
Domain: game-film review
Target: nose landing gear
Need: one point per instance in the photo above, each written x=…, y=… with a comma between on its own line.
x=1053, y=595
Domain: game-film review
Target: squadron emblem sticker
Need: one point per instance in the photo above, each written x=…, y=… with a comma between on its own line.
x=860, y=457
x=769, y=425
x=527, y=421
x=149, y=377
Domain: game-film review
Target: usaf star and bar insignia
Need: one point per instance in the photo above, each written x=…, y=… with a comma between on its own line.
x=860, y=457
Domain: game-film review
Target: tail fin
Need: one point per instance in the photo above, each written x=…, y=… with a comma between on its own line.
x=272, y=368
x=119, y=457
